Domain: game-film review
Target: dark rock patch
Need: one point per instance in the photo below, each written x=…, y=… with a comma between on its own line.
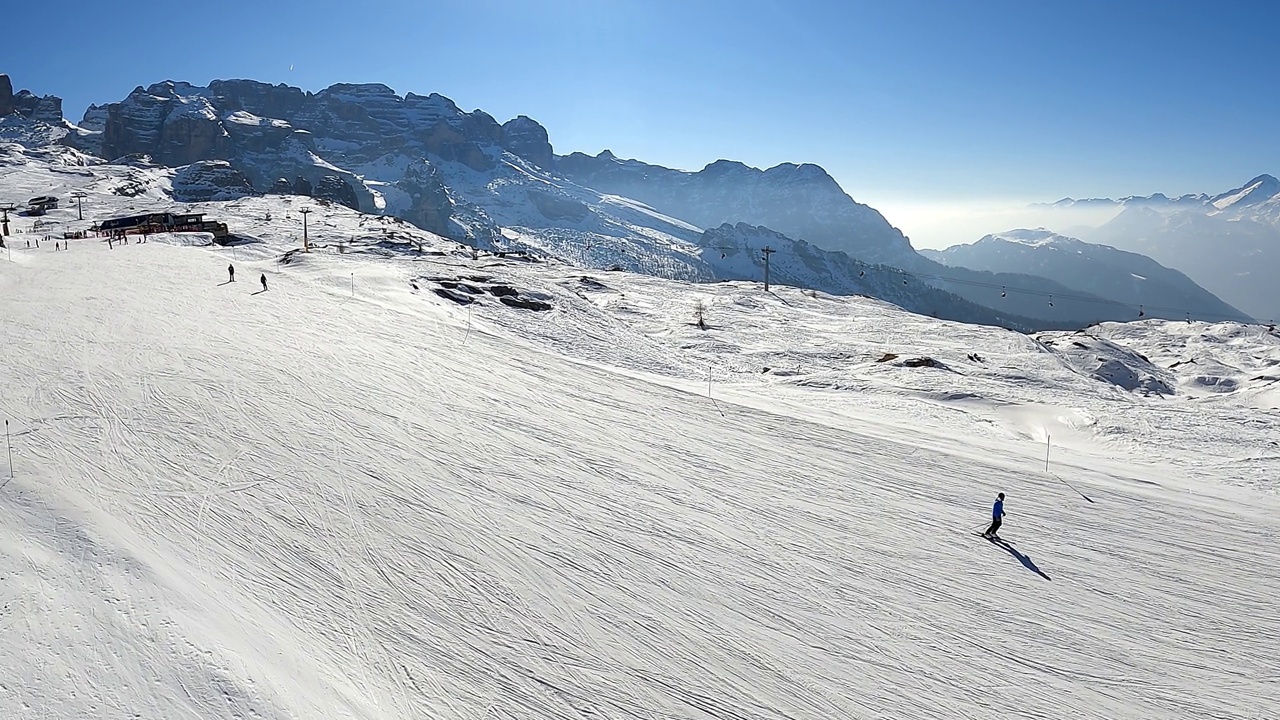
x=525, y=303
x=451, y=295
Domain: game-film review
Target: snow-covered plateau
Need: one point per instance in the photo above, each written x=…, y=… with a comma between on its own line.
x=412, y=480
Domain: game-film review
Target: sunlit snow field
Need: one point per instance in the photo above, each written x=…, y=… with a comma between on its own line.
x=351, y=497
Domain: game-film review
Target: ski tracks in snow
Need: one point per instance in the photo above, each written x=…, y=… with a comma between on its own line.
x=326, y=514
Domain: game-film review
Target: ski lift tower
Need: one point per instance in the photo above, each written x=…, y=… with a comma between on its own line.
x=6, y=208
x=79, y=197
x=306, y=246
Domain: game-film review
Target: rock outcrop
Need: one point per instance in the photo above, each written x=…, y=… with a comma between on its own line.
x=6, y=95
x=275, y=131
x=210, y=180
x=525, y=137
x=45, y=108
x=41, y=108
x=430, y=206
x=336, y=190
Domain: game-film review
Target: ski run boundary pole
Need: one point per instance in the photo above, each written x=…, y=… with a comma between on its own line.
x=713, y=400
x=8, y=446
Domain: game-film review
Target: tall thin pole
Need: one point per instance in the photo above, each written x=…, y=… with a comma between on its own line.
x=9, y=447
x=353, y=284
x=713, y=400
x=767, y=252
x=1046, y=452
x=306, y=246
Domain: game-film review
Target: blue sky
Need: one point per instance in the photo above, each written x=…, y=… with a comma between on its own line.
x=914, y=106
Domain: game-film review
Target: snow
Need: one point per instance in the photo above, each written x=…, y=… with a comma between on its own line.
x=1038, y=237
x=241, y=117
x=349, y=497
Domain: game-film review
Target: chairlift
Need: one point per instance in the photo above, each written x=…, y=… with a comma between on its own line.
x=1002, y=292
x=862, y=273
x=1141, y=312
x=1050, y=301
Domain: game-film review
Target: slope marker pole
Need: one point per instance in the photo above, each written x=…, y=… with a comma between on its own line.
x=9, y=446
x=713, y=400
x=1055, y=476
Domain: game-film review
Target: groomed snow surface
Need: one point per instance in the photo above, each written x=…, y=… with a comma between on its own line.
x=351, y=497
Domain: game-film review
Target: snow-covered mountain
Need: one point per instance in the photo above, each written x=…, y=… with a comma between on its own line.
x=1134, y=280
x=1262, y=193
x=800, y=201
x=465, y=176
x=1156, y=200
x=496, y=185
x=1228, y=242
x=410, y=480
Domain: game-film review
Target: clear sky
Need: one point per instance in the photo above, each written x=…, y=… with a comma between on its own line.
x=927, y=110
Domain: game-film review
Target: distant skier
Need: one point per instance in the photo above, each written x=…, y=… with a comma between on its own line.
x=231, y=273
x=264, y=282
x=997, y=517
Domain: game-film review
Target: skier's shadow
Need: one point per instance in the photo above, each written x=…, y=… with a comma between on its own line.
x=226, y=282
x=259, y=292
x=1024, y=559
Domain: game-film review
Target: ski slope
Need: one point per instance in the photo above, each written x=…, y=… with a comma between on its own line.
x=349, y=497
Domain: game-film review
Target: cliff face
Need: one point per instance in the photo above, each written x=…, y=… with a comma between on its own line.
x=344, y=135
x=46, y=108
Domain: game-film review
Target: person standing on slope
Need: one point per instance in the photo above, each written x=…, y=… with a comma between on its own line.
x=997, y=515
x=231, y=273
x=264, y=282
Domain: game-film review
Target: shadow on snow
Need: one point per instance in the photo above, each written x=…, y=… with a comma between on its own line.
x=1024, y=559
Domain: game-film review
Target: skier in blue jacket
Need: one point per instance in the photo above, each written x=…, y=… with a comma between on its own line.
x=997, y=514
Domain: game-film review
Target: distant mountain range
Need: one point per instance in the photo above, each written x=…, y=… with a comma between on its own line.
x=500, y=185
x=1125, y=277
x=1228, y=242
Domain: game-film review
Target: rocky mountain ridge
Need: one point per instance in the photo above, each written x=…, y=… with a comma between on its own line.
x=462, y=174
x=800, y=201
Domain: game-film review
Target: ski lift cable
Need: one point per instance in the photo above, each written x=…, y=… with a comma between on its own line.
x=865, y=267
x=1042, y=293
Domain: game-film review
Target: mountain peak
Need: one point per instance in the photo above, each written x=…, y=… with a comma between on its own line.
x=1038, y=237
x=1255, y=192
x=725, y=166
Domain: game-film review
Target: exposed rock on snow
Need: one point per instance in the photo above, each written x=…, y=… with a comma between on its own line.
x=335, y=189
x=210, y=180
x=46, y=109
x=524, y=137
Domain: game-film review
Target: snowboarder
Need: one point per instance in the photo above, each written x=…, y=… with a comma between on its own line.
x=997, y=515
x=231, y=273
x=264, y=282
